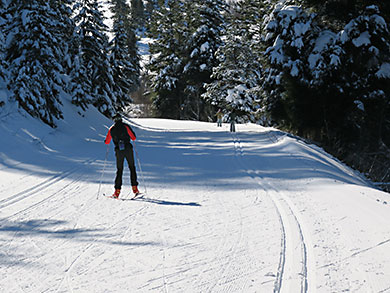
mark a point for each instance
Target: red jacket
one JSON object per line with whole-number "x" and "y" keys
{"x": 119, "y": 128}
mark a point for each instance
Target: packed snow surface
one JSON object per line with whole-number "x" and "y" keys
{"x": 254, "y": 211}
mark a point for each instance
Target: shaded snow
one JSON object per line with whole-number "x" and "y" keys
{"x": 362, "y": 40}
{"x": 257, "y": 211}
{"x": 384, "y": 71}
{"x": 205, "y": 47}
{"x": 324, "y": 40}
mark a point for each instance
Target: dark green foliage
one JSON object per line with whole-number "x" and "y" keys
{"x": 65, "y": 12}
{"x": 61, "y": 47}
{"x": 149, "y": 7}
{"x": 35, "y": 56}
{"x": 137, "y": 12}
{"x": 187, "y": 35}
{"x": 326, "y": 77}
{"x": 91, "y": 72}
{"x": 169, "y": 31}
{"x": 3, "y": 22}
{"x": 344, "y": 8}
{"x": 324, "y": 97}
{"x": 205, "y": 25}
{"x": 124, "y": 58}
{"x": 287, "y": 76}
{"x": 366, "y": 72}
{"x": 236, "y": 76}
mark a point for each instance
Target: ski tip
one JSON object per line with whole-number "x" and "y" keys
{"x": 113, "y": 197}
{"x": 135, "y": 196}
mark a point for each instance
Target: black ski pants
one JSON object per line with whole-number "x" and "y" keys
{"x": 127, "y": 154}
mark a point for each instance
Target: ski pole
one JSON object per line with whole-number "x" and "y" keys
{"x": 139, "y": 166}
{"x": 101, "y": 177}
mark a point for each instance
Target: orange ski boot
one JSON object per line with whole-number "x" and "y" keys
{"x": 135, "y": 190}
{"x": 116, "y": 193}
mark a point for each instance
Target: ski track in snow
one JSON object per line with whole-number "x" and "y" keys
{"x": 75, "y": 259}
{"x": 292, "y": 275}
{"x": 214, "y": 219}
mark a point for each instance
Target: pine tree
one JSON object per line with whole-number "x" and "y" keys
{"x": 333, "y": 83}
{"x": 124, "y": 57}
{"x": 137, "y": 12}
{"x": 34, "y": 57}
{"x": 205, "y": 21}
{"x": 149, "y": 7}
{"x": 338, "y": 13}
{"x": 366, "y": 72}
{"x": 65, "y": 10}
{"x": 3, "y": 22}
{"x": 92, "y": 74}
{"x": 169, "y": 31}
{"x": 187, "y": 35}
{"x": 351, "y": 71}
{"x": 290, "y": 33}
{"x": 237, "y": 76}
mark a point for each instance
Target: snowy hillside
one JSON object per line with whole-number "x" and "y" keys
{"x": 258, "y": 211}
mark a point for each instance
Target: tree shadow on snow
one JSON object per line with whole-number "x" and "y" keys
{"x": 222, "y": 160}
{"x": 18, "y": 238}
{"x": 186, "y": 158}
{"x": 44, "y": 227}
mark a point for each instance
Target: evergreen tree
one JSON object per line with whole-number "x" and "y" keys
{"x": 3, "y": 22}
{"x": 351, "y": 71}
{"x": 80, "y": 86}
{"x": 332, "y": 84}
{"x": 65, "y": 12}
{"x": 366, "y": 72}
{"x": 205, "y": 23}
{"x": 124, "y": 57}
{"x": 169, "y": 31}
{"x": 137, "y": 12}
{"x": 35, "y": 56}
{"x": 149, "y": 7}
{"x": 338, "y": 13}
{"x": 91, "y": 75}
{"x": 187, "y": 35}
{"x": 237, "y": 76}
{"x": 290, "y": 34}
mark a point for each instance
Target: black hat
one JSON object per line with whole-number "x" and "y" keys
{"x": 117, "y": 117}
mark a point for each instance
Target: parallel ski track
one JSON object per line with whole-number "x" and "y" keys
{"x": 290, "y": 226}
{"x": 39, "y": 187}
{"x": 164, "y": 253}
{"x": 224, "y": 247}
{"x": 77, "y": 258}
{"x": 14, "y": 198}
{"x": 292, "y": 234}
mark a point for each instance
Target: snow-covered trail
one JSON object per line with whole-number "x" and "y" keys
{"x": 256, "y": 211}
{"x": 314, "y": 194}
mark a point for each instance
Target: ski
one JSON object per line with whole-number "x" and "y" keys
{"x": 136, "y": 195}
{"x": 113, "y": 197}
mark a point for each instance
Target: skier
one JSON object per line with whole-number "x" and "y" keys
{"x": 232, "y": 118}
{"x": 121, "y": 133}
{"x": 219, "y": 118}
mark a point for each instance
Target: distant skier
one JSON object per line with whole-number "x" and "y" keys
{"x": 232, "y": 118}
{"x": 219, "y": 118}
{"x": 121, "y": 133}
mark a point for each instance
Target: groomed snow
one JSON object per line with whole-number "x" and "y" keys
{"x": 256, "y": 211}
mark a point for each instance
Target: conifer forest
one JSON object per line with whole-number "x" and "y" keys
{"x": 319, "y": 70}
